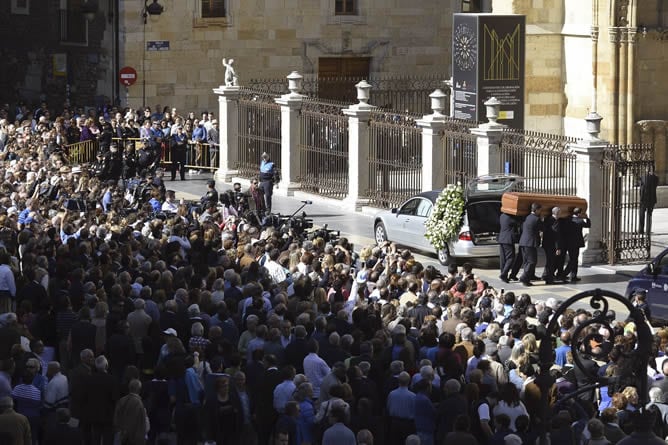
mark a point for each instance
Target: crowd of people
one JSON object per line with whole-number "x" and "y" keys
{"x": 140, "y": 319}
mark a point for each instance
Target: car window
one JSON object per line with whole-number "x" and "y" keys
{"x": 663, "y": 265}
{"x": 410, "y": 208}
{"x": 424, "y": 208}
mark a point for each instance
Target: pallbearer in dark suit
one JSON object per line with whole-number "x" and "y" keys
{"x": 509, "y": 234}
{"x": 577, "y": 223}
{"x": 551, "y": 245}
{"x": 529, "y": 242}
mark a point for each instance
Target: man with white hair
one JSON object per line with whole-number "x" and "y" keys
{"x": 57, "y": 392}
{"x": 465, "y": 347}
{"x": 101, "y": 395}
{"x": 401, "y": 408}
{"x": 139, "y": 322}
{"x": 551, "y": 245}
{"x": 657, "y": 399}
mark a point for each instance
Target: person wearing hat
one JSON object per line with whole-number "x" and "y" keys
{"x": 179, "y": 148}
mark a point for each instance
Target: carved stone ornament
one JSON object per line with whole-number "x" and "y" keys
{"x": 231, "y": 79}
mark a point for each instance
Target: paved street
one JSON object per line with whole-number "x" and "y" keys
{"x": 357, "y": 227}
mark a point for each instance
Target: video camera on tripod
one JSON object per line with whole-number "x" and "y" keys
{"x": 329, "y": 235}
{"x": 283, "y": 223}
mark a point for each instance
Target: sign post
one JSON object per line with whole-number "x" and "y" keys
{"x": 127, "y": 76}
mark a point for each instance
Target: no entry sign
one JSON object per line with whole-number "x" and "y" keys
{"x": 127, "y": 76}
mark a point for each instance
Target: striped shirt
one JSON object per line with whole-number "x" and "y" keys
{"x": 28, "y": 400}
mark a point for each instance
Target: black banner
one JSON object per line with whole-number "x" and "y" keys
{"x": 494, "y": 69}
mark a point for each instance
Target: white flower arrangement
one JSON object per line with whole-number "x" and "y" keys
{"x": 446, "y": 218}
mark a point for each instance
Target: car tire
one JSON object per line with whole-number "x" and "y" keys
{"x": 444, "y": 256}
{"x": 380, "y": 233}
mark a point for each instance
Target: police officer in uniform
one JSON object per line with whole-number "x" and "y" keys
{"x": 179, "y": 149}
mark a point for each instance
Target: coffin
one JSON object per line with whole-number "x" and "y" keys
{"x": 519, "y": 204}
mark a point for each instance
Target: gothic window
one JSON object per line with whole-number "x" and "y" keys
{"x": 213, "y": 8}
{"x": 345, "y": 7}
{"x": 21, "y": 7}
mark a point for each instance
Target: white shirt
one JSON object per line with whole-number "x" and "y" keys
{"x": 276, "y": 271}
{"x": 56, "y": 392}
{"x": 7, "y": 279}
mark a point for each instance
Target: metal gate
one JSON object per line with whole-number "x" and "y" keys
{"x": 259, "y": 131}
{"x": 395, "y": 159}
{"x": 544, "y": 160}
{"x": 623, "y": 166}
{"x": 323, "y": 149}
{"x": 460, "y": 151}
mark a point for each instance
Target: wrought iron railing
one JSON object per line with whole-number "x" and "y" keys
{"x": 460, "y": 151}
{"x": 623, "y": 166}
{"x": 395, "y": 159}
{"x": 593, "y": 338}
{"x": 259, "y": 131}
{"x": 323, "y": 149}
{"x": 545, "y": 161}
{"x": 408, "y": 94}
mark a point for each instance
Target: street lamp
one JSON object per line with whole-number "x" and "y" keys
{"x": 153, "y": 10}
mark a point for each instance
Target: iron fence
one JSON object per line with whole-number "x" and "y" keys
{"x": 323, "y": 148}
{"x": 259, "y": 131}
{"x": 395, "y": 159}
{"x": 409, "y": 94}
{"x": 545, "y": 161}
{"x": 623, "y": 238}
{"x": 460, "y": 151}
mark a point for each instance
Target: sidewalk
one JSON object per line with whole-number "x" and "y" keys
{"x": 358, "y": 227}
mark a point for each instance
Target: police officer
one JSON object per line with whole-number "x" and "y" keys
{"x": 211, "y": 195}
{"x": 267, "y": 175}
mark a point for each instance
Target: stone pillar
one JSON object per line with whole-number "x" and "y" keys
{"x": 228, "y": 112}
{"x": 589, "y": 183}
{"x": 589, "y": 177}
{"x": 433, "y": 175}
{"x": 291, "y": 105}
{"x": 358, "y": 147}
{"x": 488, "y": 140}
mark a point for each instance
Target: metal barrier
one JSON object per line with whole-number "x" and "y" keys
{"x": 545, "y": 161}
{"x": 259, "y": 131}
{"x": 323, "y": 149}
{"x": 395, "y": 159}
{"x": 460, "y": 151}
{"x": 82, "y": 152}
{"x": 623, "y": 239}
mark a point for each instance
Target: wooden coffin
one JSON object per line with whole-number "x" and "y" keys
{"x": 519, "y": 204}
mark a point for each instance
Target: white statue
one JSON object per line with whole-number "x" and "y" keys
{"x": 230, "y": 75}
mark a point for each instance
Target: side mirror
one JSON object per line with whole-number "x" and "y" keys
{"x": 652, "y": 268}
{"x": 394, "y": 210}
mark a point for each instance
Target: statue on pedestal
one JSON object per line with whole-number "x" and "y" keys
{"x": 231, "y": 79}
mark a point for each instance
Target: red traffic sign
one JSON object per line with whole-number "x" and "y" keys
{"x": 127, "y": 76}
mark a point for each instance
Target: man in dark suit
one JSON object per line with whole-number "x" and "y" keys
{"x": 509, "y": 234}
{"x": 297, "y": 349}
{"x": 102, "y": 393}
{"x": 648, "y": 185}
{"x": 575, "y": 240}
{"x": 266, "y": 415}
{"x": 529, "y": 242}
{"x": 552, "y": 244}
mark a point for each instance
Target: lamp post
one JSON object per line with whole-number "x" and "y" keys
{"x": 152, "y": 10}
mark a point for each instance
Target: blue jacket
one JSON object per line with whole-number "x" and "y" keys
{"x": 199, "y": 134}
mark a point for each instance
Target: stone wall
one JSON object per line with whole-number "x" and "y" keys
{"x": 270, "y": 38}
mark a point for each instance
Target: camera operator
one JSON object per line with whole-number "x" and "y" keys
{"x": 107, "y": 197}
{"x": 145, "y": 160}
{"x": 115, "y": 163}
{"x": 129, "y": 162}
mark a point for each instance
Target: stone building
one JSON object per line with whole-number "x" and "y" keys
{"x": 582, "y": 55}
